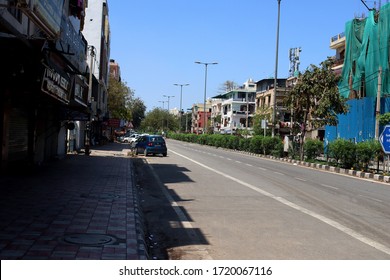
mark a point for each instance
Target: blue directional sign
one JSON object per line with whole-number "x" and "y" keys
{"x": 384, "y": 139}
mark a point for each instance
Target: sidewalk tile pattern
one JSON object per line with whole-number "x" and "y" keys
{"x": 80, "y": 207}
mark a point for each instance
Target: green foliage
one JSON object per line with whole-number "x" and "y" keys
{"x": 277, "y": 151}
{"x": 343, "y": 151}
{"x": 244, "y": 144}
{"x": 119, "y": 99}
{"x": 313, "y": 148}
{"x": 256, "y": 144}
{"x": 367, "y": 151}
{"x": 271, "y": 144}
{"x": 159, "y": 120}
{"x": 257, "y": 119}
{"x": 315, "y": 99}
{"x": 384, "y": 119}
{"x": 346, "y": 153}
{"x": 137, "y": 108}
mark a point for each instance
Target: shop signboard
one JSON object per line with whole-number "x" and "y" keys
{"x": 56, "y": 85}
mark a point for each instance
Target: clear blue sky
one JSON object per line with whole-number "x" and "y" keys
{"x": 157, "y": 42}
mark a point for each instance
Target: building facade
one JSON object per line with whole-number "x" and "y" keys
{"x": 267, "y": 102}
{"x": 362, "y": 60}
{"x": 44, "y": 79}
{"x": 97, "y": 33}
{"x": 237, "y": 108}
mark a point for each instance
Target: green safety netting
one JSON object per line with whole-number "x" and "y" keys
{"x": 367, "y": 49}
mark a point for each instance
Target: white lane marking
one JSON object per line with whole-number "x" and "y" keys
{"x": 374, "y": 199}
{"x": 238, "y": 161}
{"x": 261, "y": 168}
{"x": 278, "y": 173}
{"x": 228, "y": 158}
{"x": 183, "y": 219}
{"x": 300, "y": 179}
{"x": 330, "y": 187}
{"x": 247, "y": 164}
{"x": 332, "y": 223}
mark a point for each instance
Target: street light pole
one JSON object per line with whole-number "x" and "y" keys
{"x": 162, "y": 120}
{"x": 276, "y": 73}
{"x": 87, "y": 138}
{"x": 168, "y": 96}
{"x": 205, "y": 89}
{"x": 181, "y": 95}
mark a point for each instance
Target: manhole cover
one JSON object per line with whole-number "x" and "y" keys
{"x": 89, "y": 239}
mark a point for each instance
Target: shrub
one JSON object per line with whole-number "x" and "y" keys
{"x": 367, "y": 151}
{"x": 244, "y": 144}
{"x": 278, "y": 150}
{"x": 313, "y": 148}
{"x": 270, "y": 144}
{"x": 256, "y": 145}
{"x": 344, "y": 152}
{"x": 233, "y": 142}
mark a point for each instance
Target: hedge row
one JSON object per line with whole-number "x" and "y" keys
{"x": 347, "y": 154}
{"x": 342, "y": 152}
{"x": 265, "y": 145}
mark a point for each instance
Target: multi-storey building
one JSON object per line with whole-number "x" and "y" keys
{"x": 97, "y": 33}
{"x": 362, "y": 60}
{"x": 44, "y": 78}
{"x": 115, "y": 70}
{"x": 198, "y": 116}
{"x": 266, "y": 103}
{"x": 237, "y": 107}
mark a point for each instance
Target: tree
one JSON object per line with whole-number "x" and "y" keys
{"x": 262, "y": 114}
{"x": 227, "y": 86}
{"x": 137, "y": 108}
{"x": 119, "y": 99}
{"x": 158, "y": 119}
{"x": 384, "y": 119}
{"x": 315, "y": 100}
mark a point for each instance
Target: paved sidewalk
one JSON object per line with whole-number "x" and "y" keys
{"x": 80, "y": 207}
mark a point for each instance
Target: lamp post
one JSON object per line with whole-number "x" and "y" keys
{"x": 181, "y": 95}
{"x": 205, "y": 89}
{"x": 276, "y": 73}
{"x": 168, "y": 96}
{"x": 163, "y": 102}
{"x": 188, "y": 109}
{"x": 162, "y": 120}
{"x": 87, "y": 139}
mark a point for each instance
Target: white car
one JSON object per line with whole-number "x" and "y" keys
{"x": 131, "y": 138}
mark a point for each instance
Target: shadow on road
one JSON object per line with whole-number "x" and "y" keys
{"x": 165, "y": 229}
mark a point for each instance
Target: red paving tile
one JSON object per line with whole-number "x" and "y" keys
{"x": 76, "y": 195}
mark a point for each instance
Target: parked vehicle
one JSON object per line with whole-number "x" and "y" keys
{"x": 150, "y": 144}
{"x": 122, "y": 137}
{"x": 131, "y": 138}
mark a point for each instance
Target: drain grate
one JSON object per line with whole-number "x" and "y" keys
{"x": 87, "y": 239}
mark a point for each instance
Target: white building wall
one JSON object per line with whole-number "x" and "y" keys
{"x": 93, "y": 30}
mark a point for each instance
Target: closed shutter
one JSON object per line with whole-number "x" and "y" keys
{"x": 18, "y": 135}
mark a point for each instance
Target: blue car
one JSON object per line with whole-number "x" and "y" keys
{"x": 150, "y": 144}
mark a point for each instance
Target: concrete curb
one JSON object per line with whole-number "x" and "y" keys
{"x": 333, "y": 169}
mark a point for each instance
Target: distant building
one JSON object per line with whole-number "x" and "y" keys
{"x": 115, "y": 70}
{"x": 198, "y": 113}
{"x": 266, "y": 102}
{"x": 236, "y": 108}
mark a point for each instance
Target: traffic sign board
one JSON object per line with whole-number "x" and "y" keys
{"x": 384, "y": 139}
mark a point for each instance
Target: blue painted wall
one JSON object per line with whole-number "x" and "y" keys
{"x": 359, "y": 124}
